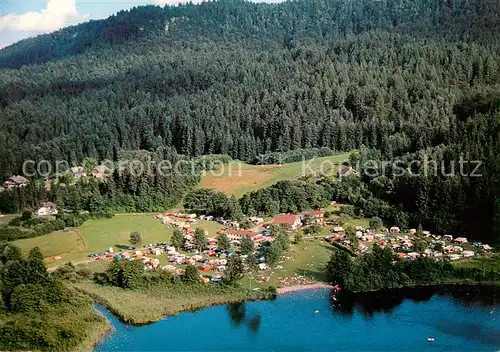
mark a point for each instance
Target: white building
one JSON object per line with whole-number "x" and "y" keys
{"x": 46, "y": 209}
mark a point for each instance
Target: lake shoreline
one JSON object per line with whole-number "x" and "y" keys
{"x": 279, "y": 292}
{"x": 295, "y": 288}
{"x": 204, "y": 301}
{"x": 320, "y": 303}
{"x": 95, "y": 338}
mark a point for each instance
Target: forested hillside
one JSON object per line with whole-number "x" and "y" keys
{"x": 237, "y": 78}
{"x": 394, "y": 78}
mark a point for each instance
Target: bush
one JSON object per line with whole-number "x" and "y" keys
{"x": 15, "y": 233}
{"x": 191, "y": 274}
{"x": 376, "y": 223}
{"x": 347, "y": 209}
{"x": 84, "y": 273}
{"x": 298, "y": 238}
{"x": 135, "y": 238}
{"x": 15, "y": 222}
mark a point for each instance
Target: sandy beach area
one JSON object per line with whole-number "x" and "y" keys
{"x": 288, "y": 289}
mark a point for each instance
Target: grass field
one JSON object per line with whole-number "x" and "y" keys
{"x": 63, "y": 241}
{"x": 4, "y": 219}
{"x": 238, "y": 178}
{"x": 306, "y": 259}
{"x": 97, "y": 235}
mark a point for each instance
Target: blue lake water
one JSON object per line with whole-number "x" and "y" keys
{"x": 291, "y": 323}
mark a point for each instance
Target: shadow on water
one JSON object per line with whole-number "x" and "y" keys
{"x": 368, "y": 304}
{"x": 254, "y": 323}
{"x": 472, "y": 331}
{"x": 238, "y": 315}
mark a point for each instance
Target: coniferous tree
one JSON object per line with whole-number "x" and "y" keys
{"x": 178, "y": 238}
{"x": 200, "y": 239}
{"x": 223, "y": 242}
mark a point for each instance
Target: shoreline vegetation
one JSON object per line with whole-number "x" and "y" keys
{"x": 144, "y": 306}
{"x": 378, "y": 270}
{"x": 96, "y": 335}
{"x": 107, "y": 297}
{"x": 444, "y": 283}
{"x": 92, "y": 291}
{"x": 135, "y": 306}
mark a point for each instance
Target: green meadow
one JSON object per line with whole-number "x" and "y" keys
{"x": 95, "y": 236}
{"x": 238, "y": 178}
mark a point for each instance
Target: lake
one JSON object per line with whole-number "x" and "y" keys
{"x": 459, "y": 319}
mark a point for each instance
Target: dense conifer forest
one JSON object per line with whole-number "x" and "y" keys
{"x": 394, "y": 79}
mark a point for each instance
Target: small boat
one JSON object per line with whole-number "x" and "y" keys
{"x": 430, "y": 339}
{"x": 316, "y": 311}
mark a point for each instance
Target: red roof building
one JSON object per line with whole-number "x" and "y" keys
{"x": 237, "y": 235}
{"x": 293, "y": 220}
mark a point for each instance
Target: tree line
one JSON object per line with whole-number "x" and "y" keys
{"x": 377, "y": 271}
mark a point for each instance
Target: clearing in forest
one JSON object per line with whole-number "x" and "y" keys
{"x": 238, "y": 178}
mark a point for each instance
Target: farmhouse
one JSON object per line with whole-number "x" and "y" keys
{"x": 238, "y": 235}
{"x": 317, "y": 216}
{"x": 16, "y": 181}
{"x": 292, "y": 220}
{"x": 47, "y": 208}
{"x": 346, "y": 171}
{"x": 99, "y": 172}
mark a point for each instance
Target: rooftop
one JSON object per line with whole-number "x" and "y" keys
{"x": 235, "y": 232}
{"x": 285, "y": 219}
{"x": 17, "y": 179}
